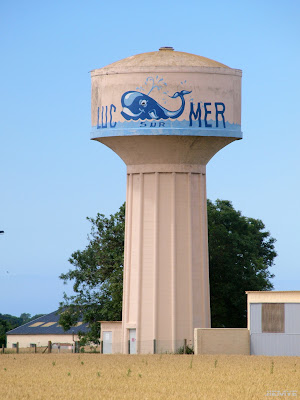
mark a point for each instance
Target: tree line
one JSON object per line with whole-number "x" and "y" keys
{"x": 9, "y": 322}
{"x": 241, "y": 252}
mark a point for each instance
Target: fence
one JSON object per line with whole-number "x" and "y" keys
{"x": 51, "y": 348}
{"x": 131, "y": 347}
{"x": 147, "y": 347}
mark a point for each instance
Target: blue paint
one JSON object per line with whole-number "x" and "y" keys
{"x": 169, "y": 127}
{"x": 159, "y": 124}
{"x": 112, "y": 124}
{"x": 196, "y": 115}
{"x": 206, "y": 114}
{"x": 158, "y": 86}
{"x": 103, "y": 123}
{"x": 221, "y": 112}
{"x": 140, "y": 106}
{"x": 145, "y": 116}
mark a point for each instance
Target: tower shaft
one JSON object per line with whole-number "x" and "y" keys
{"x": 166, "y": 256}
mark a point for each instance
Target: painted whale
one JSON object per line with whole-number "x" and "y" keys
{"x": 137, "y": 105}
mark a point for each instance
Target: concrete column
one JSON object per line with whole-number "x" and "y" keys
{"x": 166, "y": 255}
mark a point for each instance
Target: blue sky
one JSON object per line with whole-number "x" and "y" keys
{"x": 53, "y": 176}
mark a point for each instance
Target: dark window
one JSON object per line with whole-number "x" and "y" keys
{"x": 272, "y": 317}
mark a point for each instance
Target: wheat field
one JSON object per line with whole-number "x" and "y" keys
{"x": 95, "y": 376}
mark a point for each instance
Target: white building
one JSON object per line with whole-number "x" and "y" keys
{"x": 42, "y": 330}
{"x": 274, "y": 323}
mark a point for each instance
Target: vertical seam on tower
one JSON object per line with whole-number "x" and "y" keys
{"x": 155, "y": 269}
{"x": 127, "y": 258}
{"x": 173, "y": 258}
{"x": 140, "y": 269}
{"x": 130, "y": 244}
{"x": 206, "y": 258}
{"x": 191, "y": 312}
{"x": 202, "y": 255}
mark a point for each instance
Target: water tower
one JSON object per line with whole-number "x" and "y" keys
{"x": 165, "y": 113}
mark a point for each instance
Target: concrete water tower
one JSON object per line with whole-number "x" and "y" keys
{"x": 165, "y": 113}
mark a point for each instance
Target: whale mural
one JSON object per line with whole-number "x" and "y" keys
{"x": 137, "y": 105}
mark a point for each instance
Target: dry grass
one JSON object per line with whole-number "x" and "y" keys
{"x": 95, "y": 376}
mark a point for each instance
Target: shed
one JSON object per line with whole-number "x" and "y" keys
{"x": 111, "y": 337}
{"x": 274, "y": 322}
{"x": 43, "y": 329}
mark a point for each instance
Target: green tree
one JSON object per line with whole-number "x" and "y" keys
{"x": 36, "y": 316}
{"x": 4, "y": 327}
{"x": 240, "y": 254}
{"x": 25, "y": 317}
{"x": 9, "y": 322}
{"x": 97, "y": 276}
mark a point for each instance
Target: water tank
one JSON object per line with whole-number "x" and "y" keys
{"x": 165, "y": 113}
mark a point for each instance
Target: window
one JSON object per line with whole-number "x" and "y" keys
{"x": 272, "y": 317}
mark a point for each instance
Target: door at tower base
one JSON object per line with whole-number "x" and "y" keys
{"x": 107, "y": 342}
{"x": 132, "y": 341}
{"x": 111, "y": 337}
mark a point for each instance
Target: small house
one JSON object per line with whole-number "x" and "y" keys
{"x": 274, "y": 322}
{"x": 42, "y": 330}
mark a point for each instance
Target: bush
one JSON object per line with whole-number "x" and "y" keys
{"x": 188, "y": 350}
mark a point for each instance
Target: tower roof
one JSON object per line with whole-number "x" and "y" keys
{"x": 164, "y": 58}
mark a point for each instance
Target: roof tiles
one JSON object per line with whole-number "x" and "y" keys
{"x": 48, "y": 324}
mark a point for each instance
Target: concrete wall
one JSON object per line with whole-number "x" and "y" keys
{"x": 39, "y": 340}
{"x": 116, "y": 328}
{"x": 275, "y": 344}
{"x": 222, "y": 341}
